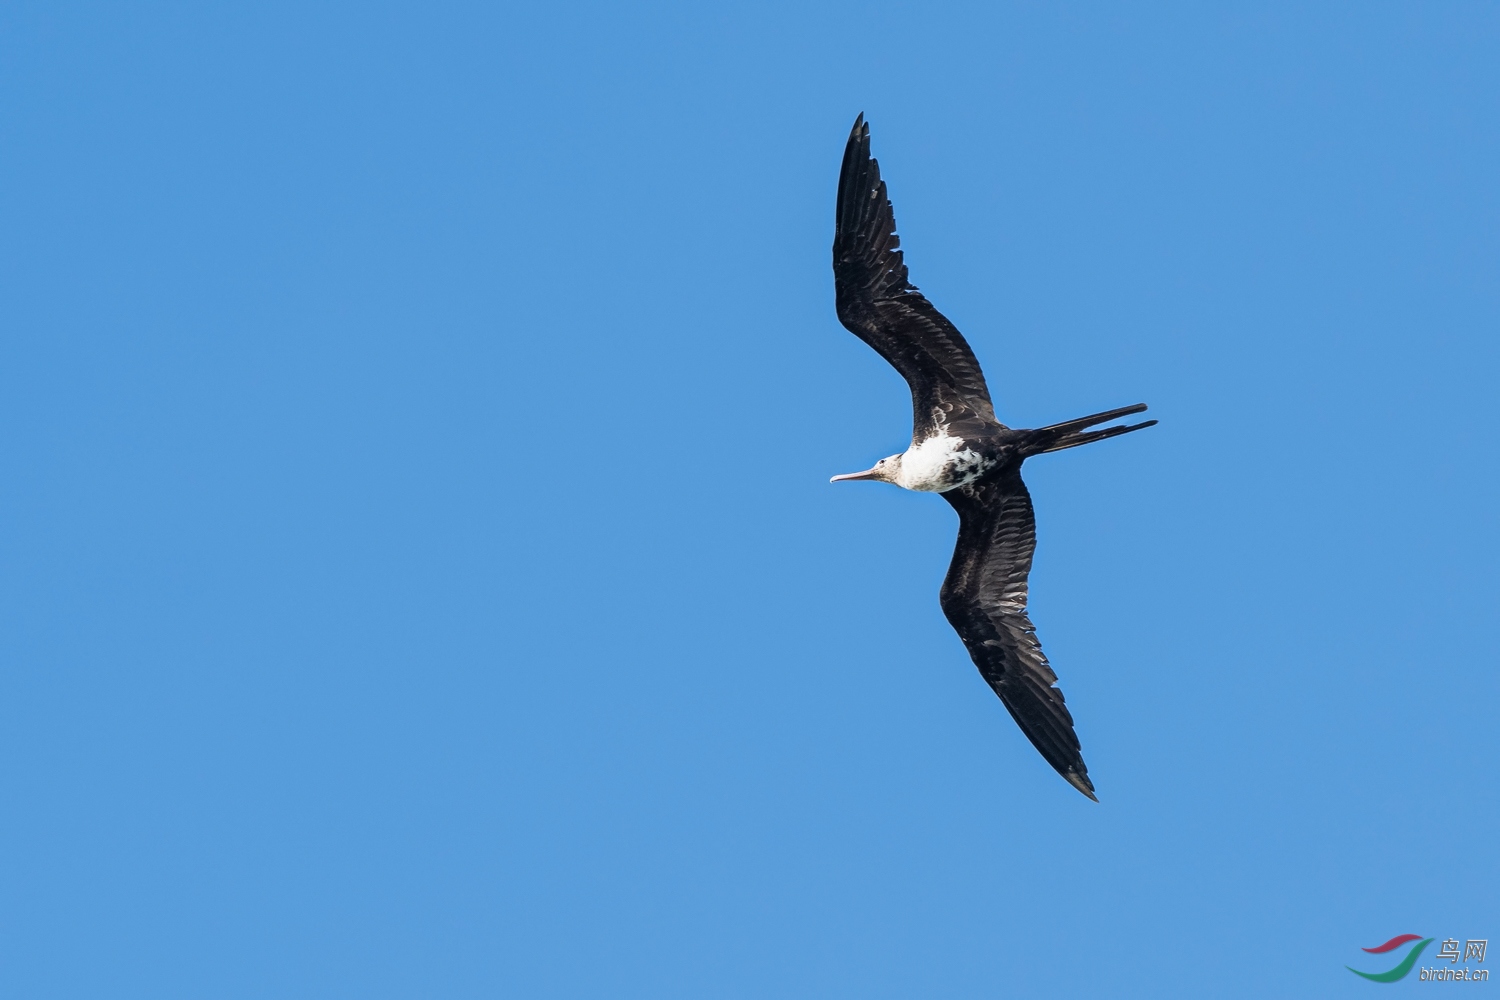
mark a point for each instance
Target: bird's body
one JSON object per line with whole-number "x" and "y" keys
{"x": 944, "y": 461}
{"x": 961, "y": 451}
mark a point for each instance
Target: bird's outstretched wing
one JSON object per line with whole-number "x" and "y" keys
{"x": 881, "y": 307}
{"x": 984, "y": 597}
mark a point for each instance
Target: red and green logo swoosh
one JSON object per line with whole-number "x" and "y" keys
{"x": 1400, "y": 971}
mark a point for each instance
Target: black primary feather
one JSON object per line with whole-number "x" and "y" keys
{"x": 984, "y": 598}
{"x": 881, "y": 307}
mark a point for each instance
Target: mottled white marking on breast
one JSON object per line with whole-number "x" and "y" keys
{"x": 940, "y": 463}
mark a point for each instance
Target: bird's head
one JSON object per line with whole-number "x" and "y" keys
{"x": 887, "y": 470}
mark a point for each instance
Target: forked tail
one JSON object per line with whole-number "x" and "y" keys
{"x": 1072, "y": 433}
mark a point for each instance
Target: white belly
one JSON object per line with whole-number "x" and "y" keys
{"x": 939, "y": 464}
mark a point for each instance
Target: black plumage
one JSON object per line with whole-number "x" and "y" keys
{"x": 960, "y": 450}
{"x": 881, "y": 307}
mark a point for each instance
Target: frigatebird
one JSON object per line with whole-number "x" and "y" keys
{"x": 961, "y": 452}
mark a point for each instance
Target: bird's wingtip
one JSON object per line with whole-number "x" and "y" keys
{"x": 1082, "y": 783}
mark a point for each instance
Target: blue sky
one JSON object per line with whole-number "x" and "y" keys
{"x": 418, "y": 569}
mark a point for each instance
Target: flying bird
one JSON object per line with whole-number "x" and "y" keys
{"x": 962, "y": 453}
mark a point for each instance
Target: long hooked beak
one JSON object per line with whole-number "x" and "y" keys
{"x": 867, "y": 474}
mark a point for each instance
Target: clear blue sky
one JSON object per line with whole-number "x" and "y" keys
{"x": 418, "y": 567}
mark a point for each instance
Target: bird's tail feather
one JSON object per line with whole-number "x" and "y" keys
{"x": 1072, "y": 433}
